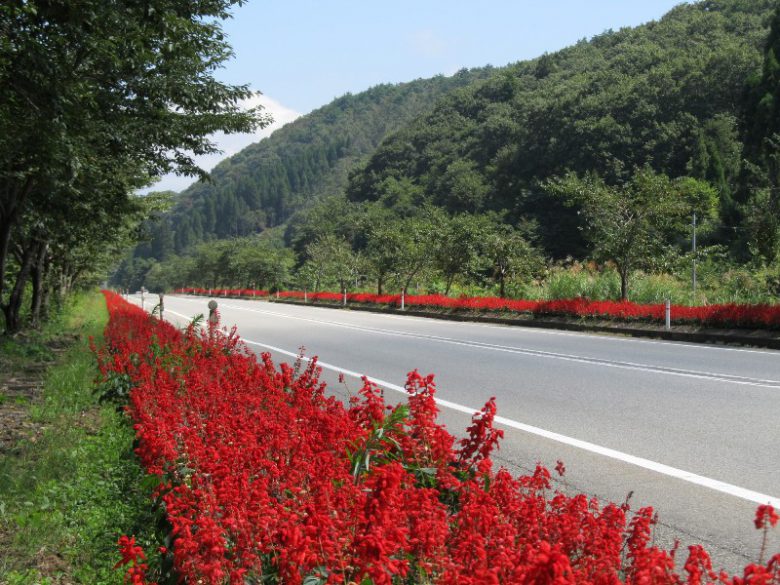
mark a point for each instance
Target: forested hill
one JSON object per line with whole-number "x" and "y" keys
{"x": 266, "y": 182}
{"x": 668, "y": 94}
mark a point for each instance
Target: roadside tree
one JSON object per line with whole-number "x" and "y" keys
{"x": 635, "y": 223}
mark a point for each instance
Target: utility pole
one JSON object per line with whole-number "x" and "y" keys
{"x": 694, "y": 257}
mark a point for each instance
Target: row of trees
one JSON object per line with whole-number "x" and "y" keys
{"x": 97, "y": 98}
{"x": 642, "y": 224}
{"x": 392, "y": 254}
{"x": 239, "y": 263}
{"x": 431, "y": 246}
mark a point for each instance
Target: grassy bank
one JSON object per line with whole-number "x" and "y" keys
{"x": 69, "y": 483}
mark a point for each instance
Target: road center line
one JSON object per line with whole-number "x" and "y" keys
{"x": 729, "y": 378}
{"x": 690, "y": 477}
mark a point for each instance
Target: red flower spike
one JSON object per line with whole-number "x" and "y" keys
{"x": 765, "y": 514}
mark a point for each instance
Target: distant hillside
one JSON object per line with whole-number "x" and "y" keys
{"x": 265, "y": 183}
{"x": 672, "y": 94}
{"x": 668, "y": 94}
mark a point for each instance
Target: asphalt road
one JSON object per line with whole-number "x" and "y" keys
{"x": 691, "y": 430}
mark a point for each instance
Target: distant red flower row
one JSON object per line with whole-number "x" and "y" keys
{"x": 264, "y": 478}
{"x": 224, "y": 292}
{"x": 727, "y": 315}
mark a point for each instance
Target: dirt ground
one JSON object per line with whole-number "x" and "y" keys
{"x": 17, "y": 392}
{"x": 21, "y": 387}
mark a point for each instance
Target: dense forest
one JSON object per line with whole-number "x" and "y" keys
{"x": 668, "y": 95}
{"x": 264, "y": 184}
{"x": 631, "y": 132}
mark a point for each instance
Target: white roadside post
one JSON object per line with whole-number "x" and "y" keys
{"x": 668, "y": 314}
{"x": 403, "y": 300}
{"x": 344, "y": 297}
{"x": 305, "y": 299}
{"x": 162, "y": 307}
{"x": 694, "y": 258}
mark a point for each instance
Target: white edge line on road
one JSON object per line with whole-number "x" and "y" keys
{"x": 688, "y": 476}
{"x": 727, "y": 378}
{"x": 661, "y": 468}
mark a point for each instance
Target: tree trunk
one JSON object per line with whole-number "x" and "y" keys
{"x": 623, "y": 285}
{"x": 38, "y": 276}
{"x": 10, "y": 209}
{"x": 408, "y": 283}
{"x": 448, "y": 286}
{"x": 5, "y": 244}
{"x": 46, "y": 299}
{"x": 380, "y": 281}
{"x": 12, "y": 309}
{"x": 62, "y": 289}
{"x": 501, "y": 286}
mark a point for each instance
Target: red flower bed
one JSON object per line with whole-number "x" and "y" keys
{"x": 224, "y": 292}
{"x": 728, "y": 315}
{"x": 265, "y": 478}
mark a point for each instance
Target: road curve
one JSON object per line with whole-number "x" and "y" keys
{"x": 690, "y": 429}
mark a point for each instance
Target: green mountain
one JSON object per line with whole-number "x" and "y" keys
{"x": 668, "y": 94}
{"x": 264, "y": 184}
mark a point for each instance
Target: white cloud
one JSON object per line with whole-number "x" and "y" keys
{"x": 230, "y": 144}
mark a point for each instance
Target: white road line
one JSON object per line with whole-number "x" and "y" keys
{"x": 699, "y": 375}
{"x": 713, "y": 484}
{"x": 661, "y": 468}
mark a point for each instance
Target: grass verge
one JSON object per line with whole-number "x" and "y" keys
{"x": 70, "y": 487}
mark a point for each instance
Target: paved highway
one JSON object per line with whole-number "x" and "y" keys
{"x": 691, "y": 430}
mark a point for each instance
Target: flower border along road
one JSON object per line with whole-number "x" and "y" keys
{"x": 264, "y": 477}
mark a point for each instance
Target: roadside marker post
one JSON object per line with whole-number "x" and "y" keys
{"x": 403, "y": 300}
{"x": 162, "y": 307}
{"x": 668, "y": 314}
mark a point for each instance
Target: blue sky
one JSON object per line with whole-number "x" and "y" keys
{"x": 304, "y": 53}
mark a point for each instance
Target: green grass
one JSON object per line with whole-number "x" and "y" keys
{"x": 718, "y": 281}
{"x": 716, "y": 284}
{"x": 69, "y": 492}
